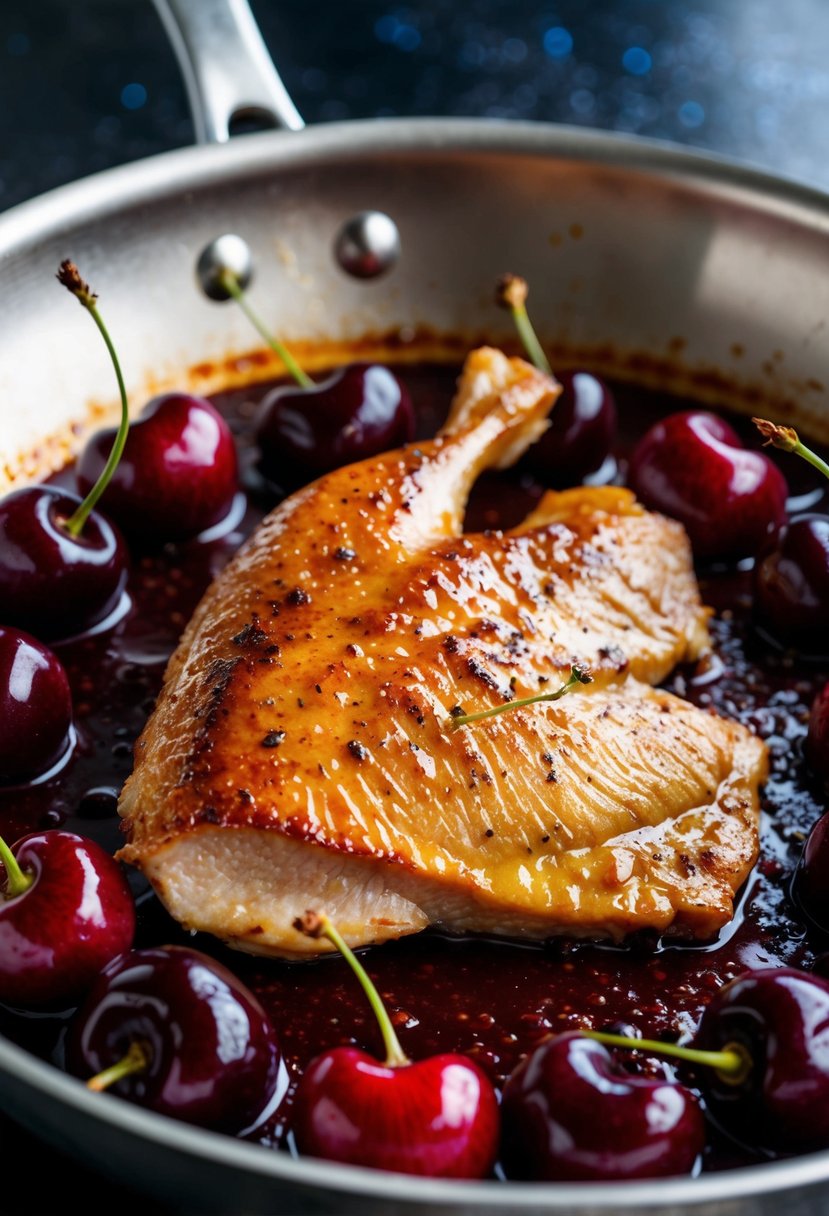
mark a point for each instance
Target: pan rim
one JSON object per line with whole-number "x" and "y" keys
{"x": 197, "y": 168}
{"x": 279, "y": 1166}
{"x": 141, "y": 182}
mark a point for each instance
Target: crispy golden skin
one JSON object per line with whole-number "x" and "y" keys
{"x": 301, "y": 754}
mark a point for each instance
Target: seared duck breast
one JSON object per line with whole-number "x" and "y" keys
{"x": 302, "y": 752}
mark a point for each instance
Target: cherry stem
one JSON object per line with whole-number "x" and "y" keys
{"x": 137, "y": 1059}
{"x": 787, "y": 439}
{"x": 315, "y": 924}
{"x": 16, "y": 881}
{"x": 732, "y": 1064}
{"x": 231, "y": 285}
{"x": 69, "y": 276}
{"x": 511, "y": 293}
{"x": 578, "y": 675}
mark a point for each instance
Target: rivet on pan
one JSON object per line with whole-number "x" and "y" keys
{"x": 227, "y": 254}
{"x": 367, "y": 245}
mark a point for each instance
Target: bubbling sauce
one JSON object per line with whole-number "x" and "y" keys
{"x": 492, "y": 1000}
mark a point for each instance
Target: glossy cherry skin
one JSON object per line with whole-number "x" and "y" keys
{"x": 360, "y": 410}
{"x": 791, "y": 585}
{"x": 53, "y": 584}
{"x": 693, "y": 467}
{"x": 35, "y": 707}
{"x": 76, "y": 916}
{"x": 582, "y": 431}
{"x": 213, "y": 1055}
{"x": 571, "y": 1114}
{"x": 178, "y": 474}
{"x": 437, "y": 1117}
{"x": 781, "y": 1017}
{"x": 817, "y": 737}
{"x": 812, "y": 877}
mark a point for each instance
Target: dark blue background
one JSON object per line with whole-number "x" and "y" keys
{"x": 85, "y": 84}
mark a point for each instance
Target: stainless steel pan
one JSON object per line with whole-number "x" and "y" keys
{"x": 643, "y": 259}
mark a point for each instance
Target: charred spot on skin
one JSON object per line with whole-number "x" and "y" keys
{"x": 297, "y": 597}
{"x": 615, "y": 656}
{"x": 245, "y": 795}
{"x": 273, "y": 738}
{"x": 357, "y": 750}
{"x": 457, "y": 711}
{"x": 251, "y": 635}
{"x": 344, "y": 554}
{"x": 480, "y": 672}
{"x": 218, "y": 679}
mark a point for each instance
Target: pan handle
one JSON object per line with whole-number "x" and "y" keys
{"x": 226, "y": 67}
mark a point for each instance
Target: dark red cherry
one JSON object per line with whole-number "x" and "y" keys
{"x": 693, "y": 467}
{"x": 35, "y": 707}
{"x": 570, "y": 1113}
{"x": 582, "y": 431}
{"x": 437, "y": 1117}
{"x": 812, "y": 877}
{"x": 360, "y": 410}
{"x": 173, "y": 1030}
{"x": 791, "y": 585}
{"x": 817, "y": 738}
{"x": 65, "y": 912}
{"x": 178, "y": 474}
{"x": 779, "y": 1019}
{"x": 52, "y": 583}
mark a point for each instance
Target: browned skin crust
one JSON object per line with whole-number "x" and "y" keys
{"x": 307, "y": 709}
